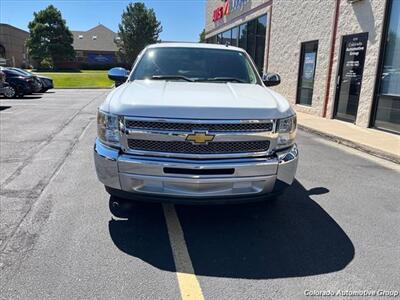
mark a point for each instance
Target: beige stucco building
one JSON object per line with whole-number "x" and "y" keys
{"x": 336, "y": 58}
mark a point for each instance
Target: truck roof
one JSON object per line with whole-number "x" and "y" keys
{"x": 195, "y": 45}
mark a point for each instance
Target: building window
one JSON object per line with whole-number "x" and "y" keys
{"x": 260, "y": 42}
{"x": 211, "y": 40}
{"x": 219, "y": 38}
{"x": 243, "y": 36}
{"x": 235, "y": 36}
{"x": 2, "y": 52}
{"x": 250, "y": 36}
{"x": 305, "y": 84}
{"x": 226, "y": 37}
{"x": 387, "y": 115}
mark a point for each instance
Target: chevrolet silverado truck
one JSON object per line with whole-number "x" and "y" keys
{"x": 194, "y": 123}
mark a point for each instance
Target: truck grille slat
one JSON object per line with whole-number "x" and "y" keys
{"x": 188, "y": 147}
{"x": 189, "y": 127}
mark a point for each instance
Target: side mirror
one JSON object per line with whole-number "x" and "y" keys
{"x": 271, "y": 79}
{"x": 119, "y": 75}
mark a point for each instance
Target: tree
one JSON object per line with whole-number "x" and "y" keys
{"x": 50, "y": 40}
{"x": 202, "y": 36}
{"x": 139, "y": 27}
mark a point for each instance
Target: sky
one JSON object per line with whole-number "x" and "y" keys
{"x": 182, "y": 20}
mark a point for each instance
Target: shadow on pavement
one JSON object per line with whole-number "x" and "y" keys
{"x": 4, "y": 107}
{"x": 31, "y": 97}
{"x": 287, "y": 237}
{"x": 144, "y": 235}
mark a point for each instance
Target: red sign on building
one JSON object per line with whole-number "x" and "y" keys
{"x": 221, "y": 11}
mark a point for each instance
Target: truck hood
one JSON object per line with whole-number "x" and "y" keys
{"x": 171, "y": 99}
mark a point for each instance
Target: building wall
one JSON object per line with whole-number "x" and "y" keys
{"x": 294, "y": 22}
{"x": 13, "y": 40}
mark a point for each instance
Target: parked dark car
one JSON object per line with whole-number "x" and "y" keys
{"x": 19, "y": 85}
{"x": 3, "y": 84}
{"x": 47, "y": 83}
{"x": 37, "y": 82}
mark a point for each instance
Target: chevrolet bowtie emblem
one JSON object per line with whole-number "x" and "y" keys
{"x": 200, "y": 137}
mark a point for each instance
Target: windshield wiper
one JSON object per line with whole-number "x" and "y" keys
{"x": 227, "y": 79}
{"x": 166, "y": 77}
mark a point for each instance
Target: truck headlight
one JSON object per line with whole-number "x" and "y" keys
{"x": 286, "y": 129}
{"x": 108, "y": 128}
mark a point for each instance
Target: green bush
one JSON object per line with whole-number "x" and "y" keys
{"x": 47, "y": 64}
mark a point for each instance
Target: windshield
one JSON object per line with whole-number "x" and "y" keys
{"x": 12, "y": 73}
{"x": 26, "y": 73}
{"x": 195, "y": 64}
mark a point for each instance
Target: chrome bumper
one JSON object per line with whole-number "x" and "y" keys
{"x": 146, "y": 175}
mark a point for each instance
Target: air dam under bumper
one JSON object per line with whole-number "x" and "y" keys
{"x": 152, "y": 176}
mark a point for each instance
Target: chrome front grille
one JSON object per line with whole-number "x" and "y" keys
{"x": 210, "y": 127}
{"x": 187, "y": 147}
{"x": 198, "y": 139}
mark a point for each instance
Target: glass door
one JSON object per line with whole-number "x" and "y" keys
{"x": 308, "y": 61}
{"x": 348, "y": 83}
{"x": 387, "y": 106}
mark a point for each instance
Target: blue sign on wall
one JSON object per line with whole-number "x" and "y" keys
{"x": 95, "y": 58}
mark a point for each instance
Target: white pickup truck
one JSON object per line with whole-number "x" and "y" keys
{"x": 195, "y": 123}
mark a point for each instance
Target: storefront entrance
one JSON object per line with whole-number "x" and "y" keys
{"x": 348, "y": 83}
{"x": 386, "y": 113}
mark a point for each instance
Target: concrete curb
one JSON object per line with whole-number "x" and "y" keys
{"x": 361, "y": 147}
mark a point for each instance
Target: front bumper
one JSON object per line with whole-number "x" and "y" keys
{"x": 26, "y": 88}
{"x": 148, "y": 176}
{"x": 47, "y": 83}
{"x": 50, "y": 84}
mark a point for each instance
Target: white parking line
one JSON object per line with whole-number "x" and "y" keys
{"x": 188, "y": 284}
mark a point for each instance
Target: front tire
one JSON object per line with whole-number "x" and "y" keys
{"x": 10, "y": 92}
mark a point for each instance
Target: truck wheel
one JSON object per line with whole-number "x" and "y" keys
{"x": 10, "y": 92}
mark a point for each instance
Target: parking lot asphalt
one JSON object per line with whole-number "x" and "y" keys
{"x": 336, "y": 228}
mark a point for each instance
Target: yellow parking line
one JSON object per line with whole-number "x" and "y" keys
{"x": 188, "y": 284}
